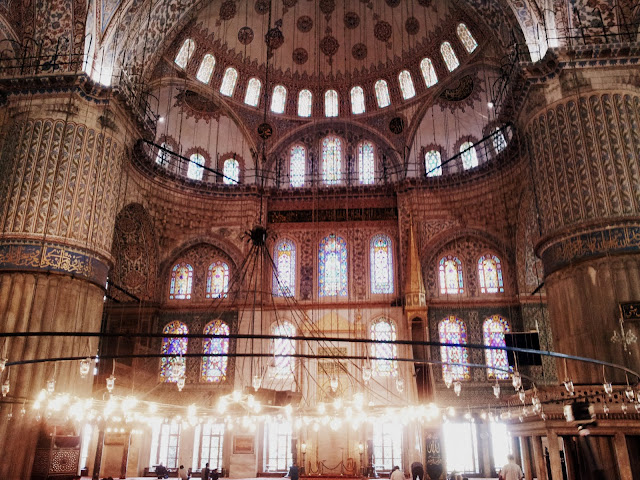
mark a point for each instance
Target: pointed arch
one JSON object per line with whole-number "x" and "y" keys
{"x": 181, "y": 282}
{"x": 173, "y": 346}
{"x": 332, "y": 259}
{"x": 490, "y": 274}
{"x": 384, "y": 354}
{"x": 366, "y": 163}
{"x": 451, "y": 279}
{"x": 493, "y": 334}
{"x": 185, "y": 53}
{"x": 217, "y": 280}
{"x": 282, "y": 349}
{"x": 381, "y": 264}
{"x": 466, "y": 38}
{"x": 297, "y": 165}
{"x": 453, "y": 330}
{"x": 214, "y": 368}
{"x": 206, "y": 68}
{"x": 284, "y": 275}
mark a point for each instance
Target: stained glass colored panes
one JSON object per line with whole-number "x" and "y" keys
{"x": 282, "y": 349}
{"x": 278, "y": 99}
{"x": 406, "y": 85}
{"x": 490, "y": 274}
{"x": 331, "y": 103}
{"x": 366, "y": 163}
{"x": 181, "y": 282}
{"x": 162, "y": 158}
{"x": 252, "y": 96}
{"x": 206, "y": 68}
{"x": 173, "y": 346}
{"x": 304, "y": 103}
{"x": 284, "y": 277}
{"x": 298, "y": 160}
{"x": 185, "y": 52}
{"x": 493, "y": 330}
{"x": 195, "y": 170}
{"x": 453, "y": 330}
{"x": 333, "y": 266}
{"x": 428, "y": 72}
{"x": 231, "y": 171}
{"x": 381, "y": 264}
{"x": 450, "y": 270}
{"x": 468, "y": 155}
{"x": 382, "y": 93}
{"x": 331, "y": 160}
{"x": 385, "y": 353}
{"x": 433, "y": 163}
{"x": 449, "y": 56}
{"x": 357, "y": 100}
{"x": 229, "y": 82}
{"x": 466, "y": 38}
{"x": 499, "y": 142}
{"x": 214, "y": 369}
{"x": 217, "y": 280}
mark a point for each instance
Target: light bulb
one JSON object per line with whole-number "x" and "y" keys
{"x": 51, "y": 385}
{"x": 6, "y": 386}
{"x": 516, "y": 380}
{"x": 180, "y": 383}
{"x": 496, "y": 390}
{"x": 23, "y": 411}
{"x": 366, "y": 373}
{"x": 85, "y": 366}
{"x": 400, "y": 384}
{"x": 623, "y": 407}
{"x": 629, "y": 393}
{"x": 334, "y": 383}
{"x": 637, "y": 407}
{"x": 3, "y": 364}
{"x": 111, "y": 382}
{"x": 605, "y": 409}
{"x": 537, "y": 407}
{"x": 522, "y": 395}
{"x": 568, "y": 384}
{"x": 178, "y": 368}
{"x": 448, "y": 379}
{"x": 543, "y": 416}
{"x": 608, "y": 388}
{"x": 489, "y": 105}
{"x": 256, "y": 382}
{"x": 457, "y": 388}
{"x": 568, "y": 413}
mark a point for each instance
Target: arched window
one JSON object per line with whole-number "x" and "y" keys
{"x": 449, "y": 56}
{"x": 278, "y": 99}
{"x": 366, "y": 163}
{"x": 282, "y": 349}
{"x": 162, "y": 158}
{"x": 451, "y": 276}
{"x": 466, "y": 38}
{"x": 384, "y": 329}
{"x": 381, "y": 264}
{"x": 173, "y": 346}
{"x": 195, "y": 170}
{"x": 333, "y": 266}
{"x": 493, "y": 330}
{"x": 453, "y": 330}
{"x": 331, "y": 160}
{"x": 304, "y": 103}
{"x": 469, "y": 155}
{"x": 284, "y": 276}
{"x": 428, "y": 72}
{"x": 387, "y": 444}
{"x": 252, "y": 96}
{"x": 231, "y": 171}
{"x": 217, "y": 280}
{"x": 490, "y": 274}
{"x": 181, "y": 282}
{"x": 357, "y": 100}
{"x": 214, "y": 369}
{"x": 331, "y": 103}
{"x": 206, "y": 68}
{"x": 382, "y": 93}
{"x": 406, "y": 85}
{"x": 185, "y": 52}
{"x": 433, "y": 163}
{"x": 499, "y": 142}
{"x": 229, "y": 82}
{"x": 297, "y": 165}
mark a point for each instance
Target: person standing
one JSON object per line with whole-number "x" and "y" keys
{"x": 417, "y": 470}
{"x": 206, "y": 473}
{"x": 294, "y": 472}
{"x": 511, "y": 471}
{"x": 182, "y": 473}
{"x": 396, "y": 474}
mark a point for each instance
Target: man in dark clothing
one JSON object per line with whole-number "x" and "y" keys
{"x": 214, "y": 474}
{"x": 206, "y": 473}
{"x": 417, "y": 470}
{"x": 294, "y": 472}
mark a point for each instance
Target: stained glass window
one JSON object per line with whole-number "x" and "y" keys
{"x": 432, "y": 163}
{"x": 449, "y": 56}
{"x": 214, "y": 369}
{"x": 206, "y": 68}
{"x": 331, "y": 160}
{"x": 231, "y": 171}
{"x": 252, "y": 96}
{"x": 333, "y": 266}
{"x": 298, "y": 160}
{"x": 490, "y": 274}
{"x": 453, "y": 330}
{"x": 304, "y": 103}
{"x": 428, "y": 72}
{"x": 384, "y": 330}
{"x": 331, "y": 103}
{"x": 284, "y": 277}
{"x": 278, "y": 99}
{"x": 493, "y": 330}
{"x": 499, "y": 142}
{"x": 185, "y": 52}
{"x": 181, "y": 282}
{"x": 466, "y": 38}
{"x": 382, "y": 93}
{"x": 357, "y": 100}
{"x": 217, "y": 280}
{"x": 406, "y": 85}
{"x": 173, "y": 346}
{"x": 366, "y": 163}
{"x": 381, "y": 264}
{"x": 195, "y": 170}
{"x": 451, "y": 276}
{"x": 469, "y": 155}
{"x": 229, "y": 82}
{"x": 282, "y": 349}
{"x": 162, "y": 158}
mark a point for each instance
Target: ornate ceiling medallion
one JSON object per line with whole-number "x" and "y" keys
{"x": 300, "y": 56}
{"x": 227, "y": 10}
{"x": 412, "y": 25}
{"x": 262, "y": 7}
{"x": 382, "y": 31}
{"x": 329, "y": 45}
{"x": 396, "y": 125}
{"x": 245, "y": 35}
{"x": 274, "y": 37}
{"x": 359, "y": 51}
{"x": 351, "y": 20}
{"x": 305, "y": 24}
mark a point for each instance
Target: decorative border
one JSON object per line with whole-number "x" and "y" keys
{"x": 243, "y": 444}
{"x": 56, "y": 258}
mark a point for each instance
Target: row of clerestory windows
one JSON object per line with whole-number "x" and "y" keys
{"x": 452, "y": 279}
